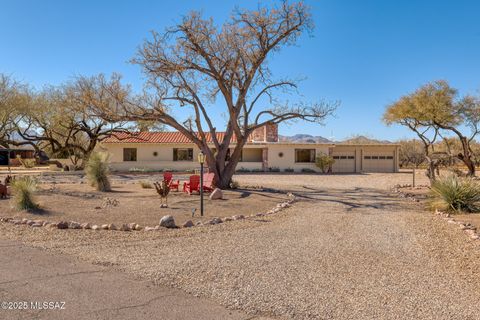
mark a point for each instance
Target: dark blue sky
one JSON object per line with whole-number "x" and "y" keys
{"x": 364, "y": 53}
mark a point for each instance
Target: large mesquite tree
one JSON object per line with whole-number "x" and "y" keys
{"x": 437, "y": 107}
{"x": 196, "y": 65}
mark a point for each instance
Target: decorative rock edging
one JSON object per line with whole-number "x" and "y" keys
{"x": 468, "y": 228}
{"x": 136, "y": 227}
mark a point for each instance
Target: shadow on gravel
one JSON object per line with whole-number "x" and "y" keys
{"x": 358, "y": 198}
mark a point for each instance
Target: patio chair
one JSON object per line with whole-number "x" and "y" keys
{"x": 192, "y": 185}
{"x": 208, "y": 182}
{"x": 168, "y": 178}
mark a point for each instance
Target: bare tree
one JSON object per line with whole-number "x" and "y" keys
{"x": 61, "y": 120}
{"x": 195, "y": 64}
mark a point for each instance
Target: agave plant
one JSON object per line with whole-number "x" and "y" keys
{"x": 97, "y": 171}
{"x": 23, "y": 190}
{"x": 455, "y": 194}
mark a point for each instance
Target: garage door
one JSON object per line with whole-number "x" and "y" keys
{"x": 344, "y": 162}
{"x": 378, "y": 162}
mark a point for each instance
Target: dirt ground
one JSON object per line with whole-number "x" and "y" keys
{"x": 350, "y": 248}
{"x": 72, "y": 200}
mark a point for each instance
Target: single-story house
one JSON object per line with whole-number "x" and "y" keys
{"x": 263, "y": 152}
{"x": 10, "y": 155}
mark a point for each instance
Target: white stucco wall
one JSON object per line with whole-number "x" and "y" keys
{"x": 288, "y": 158}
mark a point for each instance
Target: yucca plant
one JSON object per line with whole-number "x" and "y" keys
{"x": 455, "y": 194}
{"x": 23, "y": 190}
{"x": 97, "y": 171}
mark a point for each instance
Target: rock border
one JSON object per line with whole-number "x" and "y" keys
{"x": 136, "y": 227}
{"x": 467, "y": 227}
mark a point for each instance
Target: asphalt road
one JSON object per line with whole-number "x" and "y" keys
{"x": 31, "y": 277}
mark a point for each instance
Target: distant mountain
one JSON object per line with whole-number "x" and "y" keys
{"x": 363, "y": 140}
{"x": 303, "y": 138}
{"x": 307, "y": 138}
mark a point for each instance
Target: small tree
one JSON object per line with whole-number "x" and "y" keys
{"x": 324, "y": 162}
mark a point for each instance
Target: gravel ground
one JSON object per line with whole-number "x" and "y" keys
{"x": 348, "y": 250}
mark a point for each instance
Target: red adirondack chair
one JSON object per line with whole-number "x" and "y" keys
{"x": 208, "y": 182}
{"x": 168, "y": 177}
{"x": 192, "y": 185}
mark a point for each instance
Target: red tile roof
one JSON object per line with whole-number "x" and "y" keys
{"x": 157, "y": 137}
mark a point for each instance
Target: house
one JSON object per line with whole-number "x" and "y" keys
{"x": 10, "y": 155}
{"x": 263, "y": 152}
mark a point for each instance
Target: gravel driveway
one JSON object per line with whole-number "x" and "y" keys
{"x": 348, "y": 250}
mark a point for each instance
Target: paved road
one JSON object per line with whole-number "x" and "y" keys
{"x": 89, "y": 291}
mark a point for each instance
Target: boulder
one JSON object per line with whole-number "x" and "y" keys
{"x": 62, "y": 225}
{"x": 86, "y": 225}
{"x": 149, "y": 229}
{"x": 74, "y": 225}
{"x": 36, "y": 225}
{"x": 111, "y": 226}
{"x": 131, "y": 226}
{"x": 238, "y": 217}
{"x": 188, "y": 224}
{"x": 24, "y": 221}
{"x": 138, "y": 227}
{"x": 104, "y": 226}
{"x": 167, "y": 222}
{"x": 217, "y": 194}
{"x": 227, "y": 219}
{"x": 125, "y": 227}
{"x": 95, "y": 227}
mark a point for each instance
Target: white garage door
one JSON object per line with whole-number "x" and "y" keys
{"x": 378, "y": 162}
{"x": 344, "y": 162}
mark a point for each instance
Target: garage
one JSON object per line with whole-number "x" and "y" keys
{"x": 379, "y": 162}
{"x": 344, "y": 162}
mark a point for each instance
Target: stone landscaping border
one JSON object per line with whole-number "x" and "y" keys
{"x": 165, "y": 221}
{"x": 468, "y": 228}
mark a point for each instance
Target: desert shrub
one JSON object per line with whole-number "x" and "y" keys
{"x": 454, "y": 194}
{"x": 289, "y": 170}
{"x": 242, "y": 169}
{"x": 234, "y": 184}
{"x": 308, "y": 170}
{"x": 97, "y": 171}
{"x": 324, "y": 162}
{"x": 27, "y": 163}
{"x": 23, "y": 190}
{"x": 257, "y": 170}
{"x": 274, "y": 169}
{"x": 145, "y": 184}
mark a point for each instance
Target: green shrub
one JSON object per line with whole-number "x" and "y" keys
{"x": 26, "y": 163}
{"x": 97, "y": 171}
{"x": 244, "y": 170}
{"x": 145, "y": 184}
{"x": 308, "y": 170}
{"x": 23, "y": 190}
{"x": 274, "y": 169}
{"x": 289, "y": 170}
{"x": 234, "y": 184}
{"x": 454, "y": 194}
{"x": 324, "y": 162}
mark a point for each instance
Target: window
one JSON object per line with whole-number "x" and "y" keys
{"x": 343, "y": 157}
{"x": 381, "y": 157}
{"x": 367, "y": 157}
{"x": 304, "y": 155}
{"x": 336, "y": 157}
{"x": 129, "y": 154}
{"x": 182, "y": 154}
{"x": 390, "y": 157}
{"x": 351, "y": 157}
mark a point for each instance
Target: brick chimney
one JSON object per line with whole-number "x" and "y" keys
{"x": 267, "y": 133}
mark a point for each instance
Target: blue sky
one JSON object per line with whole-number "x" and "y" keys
{"x": 364, "y": 53}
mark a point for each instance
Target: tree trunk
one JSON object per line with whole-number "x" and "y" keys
{"x": 225, "y": 171}
{"x": 466, "y": 157}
